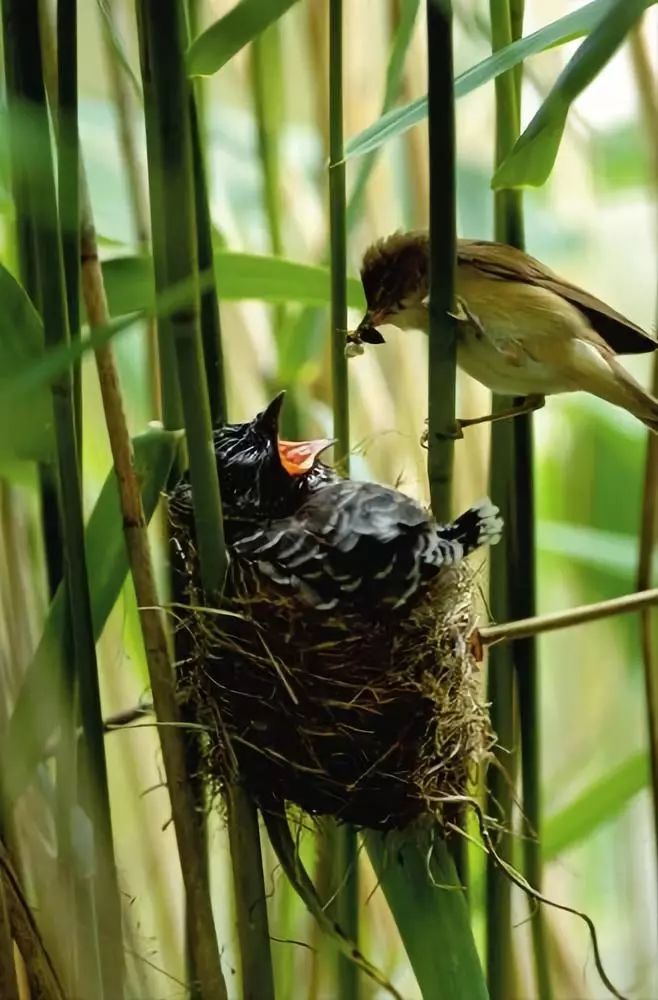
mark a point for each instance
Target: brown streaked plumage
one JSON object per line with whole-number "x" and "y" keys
{"x": 526, "y": 331}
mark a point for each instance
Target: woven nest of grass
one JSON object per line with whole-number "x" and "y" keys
{"x": 376, "y": 723}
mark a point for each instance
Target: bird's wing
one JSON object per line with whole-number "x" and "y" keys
{"x": 351, "y": 544}
{"x": 501, "y": 261}
{"x": 361, "y": 544}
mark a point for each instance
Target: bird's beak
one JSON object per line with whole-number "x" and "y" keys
{"x": 367, "y": 329}
{"x": 268, "y": 420}
{"x": 298, "y": 457}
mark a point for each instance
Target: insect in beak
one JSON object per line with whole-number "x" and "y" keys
{"x": 298, "y": 457}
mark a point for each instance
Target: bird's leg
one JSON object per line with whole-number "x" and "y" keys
{"x": 455, "y": 434}
{"x": 528, "y": 404}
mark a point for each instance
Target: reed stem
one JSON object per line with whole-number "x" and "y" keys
{"x": 171, "y": 166}
{"x": 506, "y": 477}
{"x": 34, "y": 157}
{"x": 515, "y": 630}
{"x": 515, "y": 677}
{"x": 338, "y": 237}
{"x": 345, "y": 840}
{"x": 186, "y": 822}
{"x": 648, "y": 93}
{"x": 442, "y": 338}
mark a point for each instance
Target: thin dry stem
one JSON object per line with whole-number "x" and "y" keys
{"x": 510, "y": 631}
{"x": 41, "y": 975}
{"x": 158, "y": 658}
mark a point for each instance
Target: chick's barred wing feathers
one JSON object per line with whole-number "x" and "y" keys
{"x": 361, "y": 544}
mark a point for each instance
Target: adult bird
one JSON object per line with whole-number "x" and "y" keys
{"x": 296, "y": 529}
{"x": 523, "y": 330}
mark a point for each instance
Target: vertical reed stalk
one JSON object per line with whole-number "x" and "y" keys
{"x": 174, "y": 186}
{"x": 171, "y": 174}
{"x": 502, "y": 693}
{"x": 211, "y": 331}
{"x": 186, "y": 823}
{"x": 648, "y": 93}
{"x": 33, "y": 151}
{"x": 442, "y": 359}
{"x": 442, "y": 338}
{"x": 27, "y": 270}
{"x": 513, "y": 671}
{"x": 345, "y": 839}
{"x": 59, "y": 48}
{"x": 68, "y": 168}
{"x": 338, "y": 237}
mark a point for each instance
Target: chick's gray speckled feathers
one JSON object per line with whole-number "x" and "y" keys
{"x": 362, "y": 545}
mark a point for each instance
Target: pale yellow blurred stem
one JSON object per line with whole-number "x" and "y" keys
{"x": 415, "y": 141}
{"x": 161, "y": 673}
{"x": 647, "y": 89}
{"x": 524, "y": 627}
{"x": 125, "y": 104}
{"x": 318, "y": 38}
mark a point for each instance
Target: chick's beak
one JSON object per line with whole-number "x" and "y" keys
{"x": 298, "y": 457}
{"x": 268, "y": 420}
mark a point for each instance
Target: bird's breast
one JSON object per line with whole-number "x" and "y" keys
{"x": 506, "y": 348}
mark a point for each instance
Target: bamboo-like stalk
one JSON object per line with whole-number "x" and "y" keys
{"x": 59, "y": 47}
{"x": 345, "y": 838}
{"x": 502, "y": 689}
{"x": 648, "y": 93}
{"x": 338, "y": 237}
{"x": 68, "y": 149}
{"x": 27, "y": 269}
{"x": 168, "y": 95}
{"x": 169, "y": 147}
{"x": 35, "y": 159}
{"x": 442, "y": 338}
{"x": 186, "y": 824}
{"x": 442, "y": 361}
{"x": 514, "y": 678}
{"x": 211, "y": 330}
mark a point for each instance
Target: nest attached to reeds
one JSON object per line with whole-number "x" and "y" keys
{"x": 375, "y": 722}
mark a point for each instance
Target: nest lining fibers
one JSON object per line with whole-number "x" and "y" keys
{"x": 373, "y": 722}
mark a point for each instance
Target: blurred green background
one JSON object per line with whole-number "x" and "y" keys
{"x": 595, "y": 223}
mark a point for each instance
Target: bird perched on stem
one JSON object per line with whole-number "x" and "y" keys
{"x": 523, "y": 330}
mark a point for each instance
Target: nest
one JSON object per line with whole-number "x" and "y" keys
{"x": 375, "y": 722}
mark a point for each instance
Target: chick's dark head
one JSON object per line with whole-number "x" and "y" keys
{"x": 261, "y": 475}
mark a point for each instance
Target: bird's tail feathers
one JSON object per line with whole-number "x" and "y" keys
{"x": 480, "y": 525}
{"x": 633, "y": 397}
